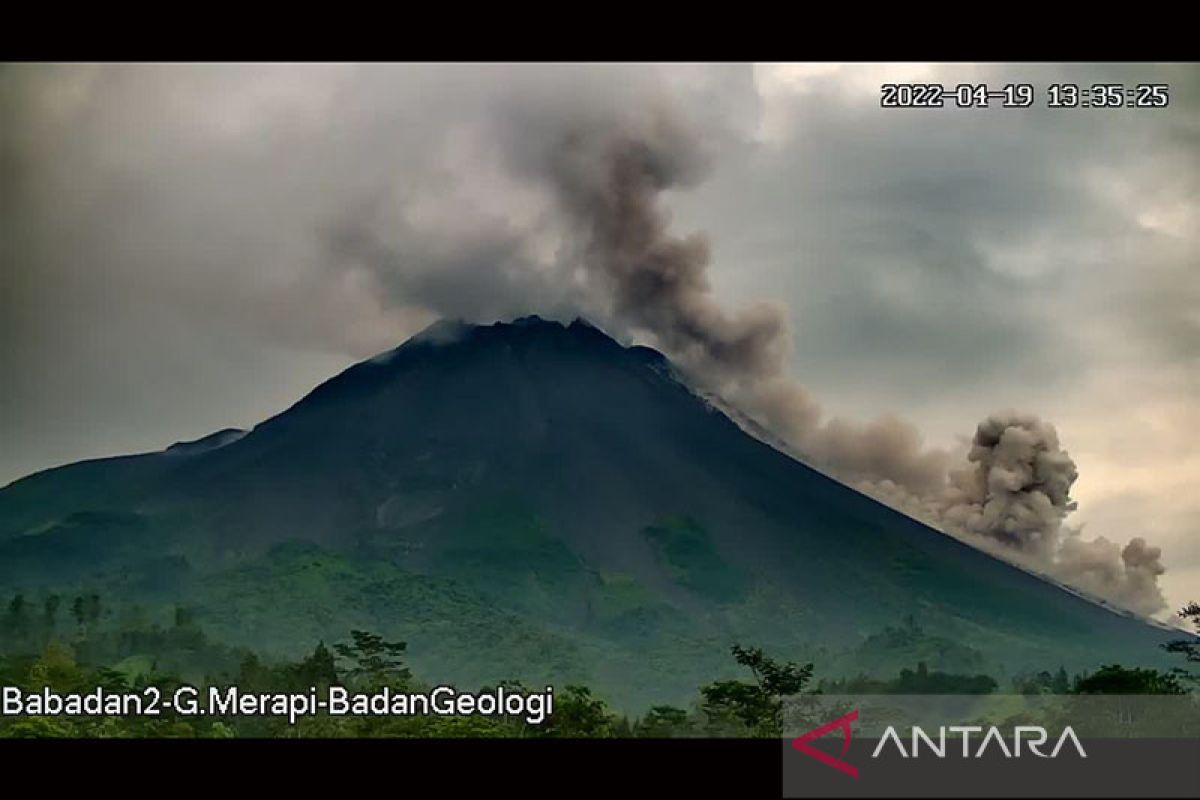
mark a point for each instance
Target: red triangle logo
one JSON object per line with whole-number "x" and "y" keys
{"x": 801, "y": 743}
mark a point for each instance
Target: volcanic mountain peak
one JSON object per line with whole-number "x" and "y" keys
{"x": 533, "y": 499}
{"x": 446, "y": 343}
{"x": 526, "y": 328}
{"x": 447, "y": 332}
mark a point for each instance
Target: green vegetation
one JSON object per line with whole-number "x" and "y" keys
{"x": 1188, "y": 648}
{"x": 919, "y": 681}
{"x": 505, "y": 552}
{"x": 78, "y": 644}
{"x": 491, "y": 589}
{"x": 532, "y": 501}
{"x": 754, "y": 706}
{"x": 685, "y": 548}
{"x": 910, "y": 643}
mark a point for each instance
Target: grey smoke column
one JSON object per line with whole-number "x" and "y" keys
{"x": 604, "y": 169}
{"x": 1012, "y": 498}
{"x": 609, "y": 182}
{"x": 608, "y": 179}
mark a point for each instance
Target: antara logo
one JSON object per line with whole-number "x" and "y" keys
{"x": 843, "y": 722}
{"x": 1035, "y": 738}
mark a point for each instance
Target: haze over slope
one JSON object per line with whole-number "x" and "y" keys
{"x": 534, "y": 500}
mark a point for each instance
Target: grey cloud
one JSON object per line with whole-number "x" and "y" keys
{"x": 955, "y": 232}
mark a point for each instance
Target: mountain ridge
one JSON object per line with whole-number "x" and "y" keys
{"x": 545, "y": 471}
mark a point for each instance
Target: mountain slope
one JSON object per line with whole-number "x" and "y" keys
{"x": 534, "y": 500}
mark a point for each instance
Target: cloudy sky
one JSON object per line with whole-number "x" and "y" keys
{"x": 182, "y": 247}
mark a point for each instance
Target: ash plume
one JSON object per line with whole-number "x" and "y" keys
{"x": 1015, "y": 491}
{"x": 1127, "y": 575}
{"x": 605, "y": 174}
{"x": 608, "y": 183}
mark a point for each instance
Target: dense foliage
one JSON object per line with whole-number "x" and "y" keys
{"x": 66, "y": 645}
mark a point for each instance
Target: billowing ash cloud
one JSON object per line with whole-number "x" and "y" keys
{"x": 608, "y": 182}
{"x": 1012, "y": 499}
{"x": 1017, "y": 492}
{"x": 1127, "y": 575}
{"x": 1018, "y": 489}
{"x": 592, "y": 175}
{"x": 607, "y": 178}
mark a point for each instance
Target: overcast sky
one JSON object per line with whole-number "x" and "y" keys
{"x": 174, "y": 255}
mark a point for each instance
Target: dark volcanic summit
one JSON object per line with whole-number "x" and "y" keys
{"x": 533, "y": 500}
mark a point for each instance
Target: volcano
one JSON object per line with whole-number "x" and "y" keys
{"x": 533, "y": 500}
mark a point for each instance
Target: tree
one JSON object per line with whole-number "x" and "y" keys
{"x": 253, "y": 675}
{"x": 79, "y": 611}
{"x": 374, "y": 660}
{"x": 578, "y": 714}
{"x": 1060, "y": 685}
{"x": 56, "y": 669}
{"x": 318, "y": 669}
{"x": 1115, "y": 679}
{"x": 50, "y": 610}
{"x": 111, "y": 680}
{"x": 1106, "y": 703}
{"x": 1188, "y": 648}
{"x": 925, "y": 682}
{"x": 758, "y": 706}
{"x": 662, "y": 722}
{"x": 184, "y": 617}
{"x": 18, "y": 618}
